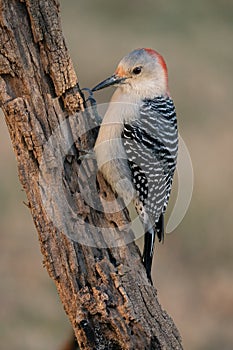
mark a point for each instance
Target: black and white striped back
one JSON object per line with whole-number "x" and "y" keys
{"x": 151, "y": 144}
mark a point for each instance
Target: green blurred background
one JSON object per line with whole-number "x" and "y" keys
{"x": 193, "y": 270}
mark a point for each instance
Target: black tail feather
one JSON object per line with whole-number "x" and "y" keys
{"x": 148, "y": 251}
{"x": 160, "y": 228}
{"x": 149, "y": 241}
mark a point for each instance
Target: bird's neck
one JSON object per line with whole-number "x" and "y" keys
{"x": 138, "y": 92}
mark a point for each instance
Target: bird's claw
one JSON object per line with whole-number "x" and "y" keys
{"x": 93, "y": 104}
{"x": 90, "y": 97}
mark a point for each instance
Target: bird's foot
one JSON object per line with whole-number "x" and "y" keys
{"x": 93, "y": 105}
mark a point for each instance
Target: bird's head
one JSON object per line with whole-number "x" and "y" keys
{"x": 142, "y": 72}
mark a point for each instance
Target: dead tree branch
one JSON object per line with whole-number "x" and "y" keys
{"x": 99, "y": 276}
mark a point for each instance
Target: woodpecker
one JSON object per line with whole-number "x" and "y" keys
{"x": 136, "y": 148}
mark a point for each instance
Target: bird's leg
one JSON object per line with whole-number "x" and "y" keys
{"x": 90, "y": 97}
{"x": 93, "y": 113}
{"x": 93, "y": 105}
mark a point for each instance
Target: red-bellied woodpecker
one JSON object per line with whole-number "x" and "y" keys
{"x": 136, "y": 148}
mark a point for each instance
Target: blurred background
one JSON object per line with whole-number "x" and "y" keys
{"x": 193, "y": 270}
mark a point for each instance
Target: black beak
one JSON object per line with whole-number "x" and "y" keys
{"x": 114, "y": 79}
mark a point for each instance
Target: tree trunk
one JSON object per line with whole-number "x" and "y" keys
{"x": 93, "y": 260}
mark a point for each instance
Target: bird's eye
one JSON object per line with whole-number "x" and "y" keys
{"x": 137, "y": 70}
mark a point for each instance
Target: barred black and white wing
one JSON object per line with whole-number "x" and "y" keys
{"x": 151, "y": 144}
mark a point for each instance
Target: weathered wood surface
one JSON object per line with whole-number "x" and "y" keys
{"x": 104, "y": 290}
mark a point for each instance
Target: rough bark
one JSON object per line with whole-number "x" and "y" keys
{"x": 103, "y": 285}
